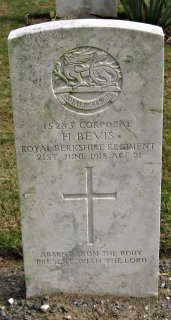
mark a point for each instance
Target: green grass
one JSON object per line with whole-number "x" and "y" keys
{"x": 166, "y": 172}
{"x": 12, "y": 17}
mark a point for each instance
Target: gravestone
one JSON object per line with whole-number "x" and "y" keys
{"x": 86, "y": 8}
{"x": 87, "y": 106}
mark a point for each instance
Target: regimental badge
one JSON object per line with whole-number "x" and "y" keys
{"x": 87, "y": 80}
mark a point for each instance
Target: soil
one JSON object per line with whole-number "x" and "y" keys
{"x": 31, "y": 19}
{"x": 78, "y": 307}
{"x": 168, "y": 35}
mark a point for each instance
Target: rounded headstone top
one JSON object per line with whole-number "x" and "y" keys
{"x": 86, "y": 23}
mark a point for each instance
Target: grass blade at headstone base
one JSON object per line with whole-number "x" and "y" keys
{"x": 136, "y": 7}
{"x": 145, "y": 7}
{"x": 127, "y": 8}
{"x": 139, "y": 10}
{"x": 155, "y": 11}
{"x": 133, "y": 9}
{"x": 166, "y": 17}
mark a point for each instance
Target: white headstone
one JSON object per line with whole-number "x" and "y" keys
{"x": 86, "y": 8}
{"x": 87, "y": 105}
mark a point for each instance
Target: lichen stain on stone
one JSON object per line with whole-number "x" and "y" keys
{"x": 28, "y": 280}
{"x": 29, "y": 193}
{"x": 48, "y": 108}
{"x": 124, "y": 284}
{"x": 156, "y": 110}
{"x": 128, "y": 59}
{"x": 132, "y": 133}
{"x": 142, "y": 105}
{"x": 17, "y": 41}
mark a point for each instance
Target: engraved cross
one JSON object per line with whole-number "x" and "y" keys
{"x": 89, "y": 196}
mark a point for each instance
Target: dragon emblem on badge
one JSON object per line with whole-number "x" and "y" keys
{"x": 87, "y": 79}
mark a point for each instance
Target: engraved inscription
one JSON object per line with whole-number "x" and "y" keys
{"x": 90, "y": 140}
{"x": 88, "y": 151}
{"x": 106, "y": 257}
{"x": 89, "y": 196}
{"x": 116, "y": 124}
{"x": 88, "y": 71}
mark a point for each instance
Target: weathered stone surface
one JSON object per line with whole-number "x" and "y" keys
{"x": 87, "y": 105}
{"x": 86, "y": 8}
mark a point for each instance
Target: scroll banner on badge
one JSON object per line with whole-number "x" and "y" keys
{"x": 89, "y": 104}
